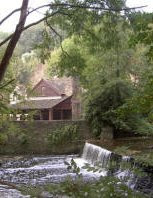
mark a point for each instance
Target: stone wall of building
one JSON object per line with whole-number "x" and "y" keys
{"x": 32, "y": 137}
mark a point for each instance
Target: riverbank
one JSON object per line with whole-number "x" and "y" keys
{"x": 43, "y": 137}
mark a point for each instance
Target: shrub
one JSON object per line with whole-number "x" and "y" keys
{"x": 64, "y": 134}
{"x": 3, "y": 139}
{"x": 101, "y": 109}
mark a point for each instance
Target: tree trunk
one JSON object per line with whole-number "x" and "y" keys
{"x": 12, "y": 44}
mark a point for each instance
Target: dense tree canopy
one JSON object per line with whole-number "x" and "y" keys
{"x": 111, "y": 71}
{"x": 75, "y": 10}
{"x": 109, "y": 51}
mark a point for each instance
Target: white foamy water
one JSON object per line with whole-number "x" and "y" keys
{"x": 6, "y": 192}
{"x": 94, "y": 154}
{"x": 43, "y": 170}
{"x": 40, "y": 170}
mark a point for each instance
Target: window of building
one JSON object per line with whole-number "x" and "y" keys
{"x": 57, "y": 114}
{"x": 45, "y": 114}
{"x": 43, "y": 90}
{"x": 67, "y": 114}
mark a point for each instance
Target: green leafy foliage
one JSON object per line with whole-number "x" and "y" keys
{"x": 101, "y": 109}
{"x": 72, "y": 166}
{"x": 30, "y": 38}
{"x": 110, "y": 71}
{"x": 146, "y": 159}
{"x": 137, "y": 111}
{"x": 106, "y": 187}
{"x": 68, "y": 60}
{"x": 3, "y": 139}
{"x": 142, "y": 24}
{"x": 68, "y": 133}
{"x": 11, "y": 133}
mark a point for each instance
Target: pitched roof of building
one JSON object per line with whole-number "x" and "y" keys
{"x": 59, "y": 85}
{"x": 38, "y": 104}
{"x": 47, "y": 84}
{"x": 58, "y": 88}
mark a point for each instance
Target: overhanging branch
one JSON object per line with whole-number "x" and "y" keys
{"x": 39, "y": 21}
{"x": 66, "y": 5}
{"x": 10, "y": 14}
{"x": 27, "y": 27}
{"x": 83, "y": 6}
{"x": 13, "y": 38}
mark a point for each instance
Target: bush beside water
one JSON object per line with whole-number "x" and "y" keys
{"x": 68, "y": 133}
{"x": 28, "y": 137}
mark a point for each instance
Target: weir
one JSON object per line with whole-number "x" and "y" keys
{"x": 104, "y": 158}
{"x": 42, "y": 170}
{"x": 95, "y": 154}
{"x": 124, "y": 167}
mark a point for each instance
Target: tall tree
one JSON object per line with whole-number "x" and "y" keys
{"x": 12, "y": 43}
{"x": 55, "y": 7}
{"x": 107, "y": 66}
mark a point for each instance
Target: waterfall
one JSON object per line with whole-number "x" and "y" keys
{"x": 95, "y": 154}
{"x": 42, "y": 170}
